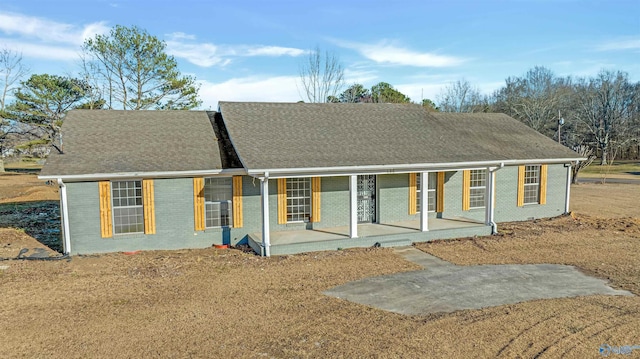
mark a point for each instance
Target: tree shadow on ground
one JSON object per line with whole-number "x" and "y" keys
{"x": 40, "y": 220}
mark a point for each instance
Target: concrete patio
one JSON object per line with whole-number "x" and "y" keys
{"x": 445, "y": 287}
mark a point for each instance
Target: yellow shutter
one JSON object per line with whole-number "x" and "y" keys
{"x": 413, "y": 194}
{"x": 237, "y": 202}
{"x": 316, "y": 189}
{"x": 466, "y": 190}
{"x": 148, "y": 203}
{"x": 282, "y": 200}
{"x": 106, "y": 228}
{"x": 198, "y": 203}
{"x": 440, "y": 193}
{"x": 521, "y": 186}
{"x": 543, "y": 184}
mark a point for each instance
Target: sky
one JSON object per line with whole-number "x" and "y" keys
{"x": 252, "y": 50}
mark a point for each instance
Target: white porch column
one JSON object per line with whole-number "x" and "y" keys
{"x": 264, "y": 196}
{"x": 489, "y": 194}
{"x": 353, "y": 206}
{"x": 424, "y": 201}
{"x": 568, "y": 190}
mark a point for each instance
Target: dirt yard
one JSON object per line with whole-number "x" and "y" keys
{"x": 213, "y": 303}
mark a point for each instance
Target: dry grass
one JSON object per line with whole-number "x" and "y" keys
{"x": 226, "y": 303}
{"x": 16, "y": 187}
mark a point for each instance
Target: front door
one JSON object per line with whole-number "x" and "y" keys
{"x": 367, "y": 199}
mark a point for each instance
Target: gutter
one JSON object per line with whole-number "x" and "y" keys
{"x": 403, "y": 168}
{"x": 66, "y": 239}
{"x": 159, "y": 174}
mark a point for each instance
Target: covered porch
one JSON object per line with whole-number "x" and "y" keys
{"x": 360, "y": 197}
{"x": 400, "y": 233}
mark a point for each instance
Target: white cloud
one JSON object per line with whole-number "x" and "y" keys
{"x": 207, "y": 54}
{"x": 39, "y": 51}
{"x": 271, "y": 51}
{"x": 204, "y": 55}
{"x": 254, "y": 88}
{"x": 359, "y": 76}
{"x": 616, "y": 45}
{"x": 385, "y": 52}
{"x": 29, "y": 27}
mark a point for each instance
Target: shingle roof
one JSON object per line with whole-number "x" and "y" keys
{"x": 295, "y": 135}
{"x": 111, "y": 141}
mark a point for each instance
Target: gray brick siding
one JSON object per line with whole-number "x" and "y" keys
{"x": 506, "y": 187}
{"x": 175, "y": 217}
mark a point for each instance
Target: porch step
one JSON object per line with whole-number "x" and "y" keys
{"x": 401, "y": 242}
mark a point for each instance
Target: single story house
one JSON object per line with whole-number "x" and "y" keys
{"x": 295, "y": 177}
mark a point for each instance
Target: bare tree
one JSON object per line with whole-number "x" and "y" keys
{"x": 321, "y": 76}
{"x": 460, "y": 96}
{"x": 534, "y": 99}
{"x": 90, "y": 73}
{"x": 605, "y": 107}
{"x": 586, "y": 152}
{"x": 12, "y": 69}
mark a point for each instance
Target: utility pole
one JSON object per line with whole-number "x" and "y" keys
{"x": 560, "y": 123}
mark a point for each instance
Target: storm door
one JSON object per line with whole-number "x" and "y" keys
{"x": 367, "y": 199}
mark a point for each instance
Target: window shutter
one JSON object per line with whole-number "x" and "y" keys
{"x": 237, "y": 202}
{"x": 198, "y": 203}
{"x": 106, "y": 227}
{"x": 282, "y": 200}
{"x": 521, "y": 186}
{"x": 466, "y": 190}
{"x": 543, "y": 184}
{"x": 413, "y": 194}
{"x": 440, "y": 193}
{"x": 316, "y": 189}
{"x": 148, "y": 203}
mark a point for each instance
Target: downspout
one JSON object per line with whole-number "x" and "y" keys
{"x": 568, "y": 189}
{"x": 264, "y": 196}
{"x": 64, "y": 214}
{"x": 492, "y": 221}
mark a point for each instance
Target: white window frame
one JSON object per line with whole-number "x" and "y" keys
{"x": 431, "y": 192}
{"x": 298, "y": 190}
{"x": 474, "y": 177}
{"x": 216, "y": 198}
{"x": 117, "y": 217}
{"x": 531, "y": 184}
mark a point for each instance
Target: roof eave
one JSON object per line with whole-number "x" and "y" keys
{"x": 399, "y": 168}
{"x": 159, "y": 174}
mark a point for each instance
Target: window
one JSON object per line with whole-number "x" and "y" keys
{"x": 218, "y": 197}
{"x": 477, "y": 187}
{"x": 128, "y": 211}
{"x": 298, "y": 199}
{"x": 431, "y": 192}
{"x": 532, "y": 184}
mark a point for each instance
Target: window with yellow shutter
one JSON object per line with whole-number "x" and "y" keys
{"x": 532, "y": 186}
{"x": 127, "y": 207}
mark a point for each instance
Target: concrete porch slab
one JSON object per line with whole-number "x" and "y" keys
{"x": 444, "y": 287}
{"x": 365, "y": 230}
{"x": 370, "y": 234}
